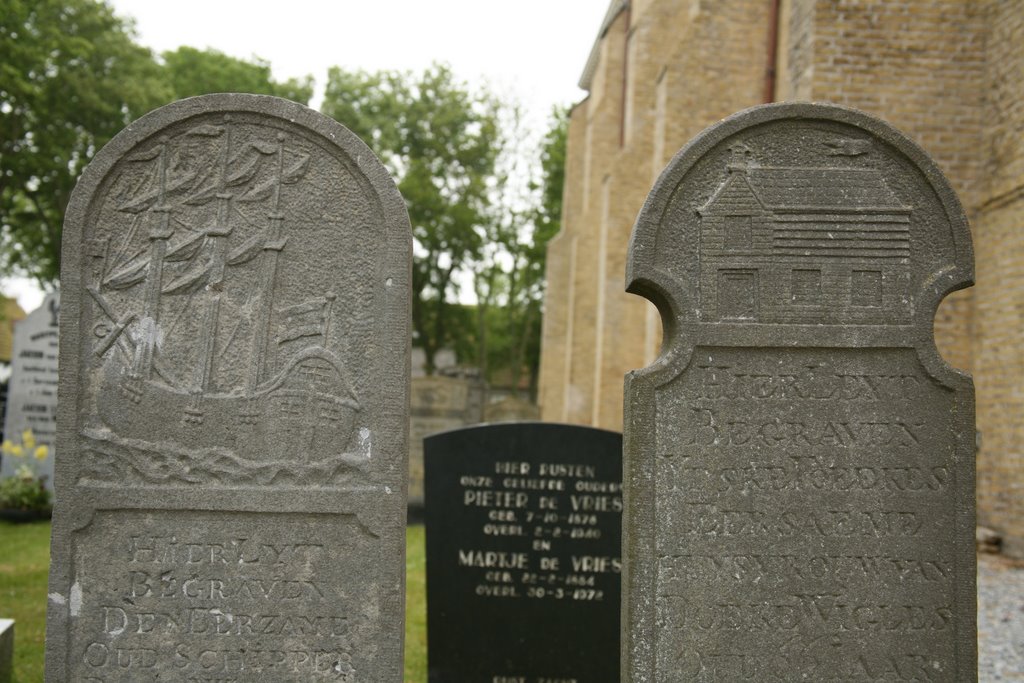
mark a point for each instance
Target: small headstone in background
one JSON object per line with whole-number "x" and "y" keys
{"x": 439, "y": 403}
{"x": 32, "y": 389}
{"x": 799, "y": 464}
{"x": 523, "y": 554}
{"x": 234, "y": 404}
{"x": 511, "y": 409}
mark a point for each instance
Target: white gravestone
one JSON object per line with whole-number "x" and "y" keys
{"x": 32, "y": 391}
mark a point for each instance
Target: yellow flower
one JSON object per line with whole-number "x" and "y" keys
{"x": 7, "y": 447}
{"x": 29, "y": 439}
{"x": 16, "y": 450}
{"x": 41, "y": 452}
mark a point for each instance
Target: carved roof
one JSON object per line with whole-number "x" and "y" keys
{"x": 847, "y": 190}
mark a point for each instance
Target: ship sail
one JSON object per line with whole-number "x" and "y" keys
{"x": 296, "y": 171}
{"x": 194, "y": 260}
{"x": 260, "y": 192}
{"x": 148, "y": 200}
{"x": 191, "y": 281}
{"x": 308, "y": 319}
{"x": 132, "y": 274}
{"x": 134, "y": 271}
{"x": 248, "y": 250}
{"x": 186, "y": 249}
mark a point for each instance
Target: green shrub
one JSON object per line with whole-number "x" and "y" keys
{"x": 24, "y": 491}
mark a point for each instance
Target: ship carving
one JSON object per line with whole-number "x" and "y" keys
{"x": 198, "y": 359}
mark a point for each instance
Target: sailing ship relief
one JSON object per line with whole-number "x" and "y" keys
{"x": 213, "y": 362}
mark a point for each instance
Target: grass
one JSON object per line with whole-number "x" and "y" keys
{"x": 24, "y": 562}
{"x": 415, "y": 605}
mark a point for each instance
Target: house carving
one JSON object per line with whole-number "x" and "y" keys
{"x": 805, "y": 246}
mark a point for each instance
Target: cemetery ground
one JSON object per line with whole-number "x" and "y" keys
{"x": 25, "y": 560}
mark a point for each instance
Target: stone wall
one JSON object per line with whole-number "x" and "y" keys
{"x": 920, "y": 66}
{"x": 999, "y": 295}
{"x": 655, "y": 60}
{"x": 946, "y": 72}
{"x": 437, "y": 404}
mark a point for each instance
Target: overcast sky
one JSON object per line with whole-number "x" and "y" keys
{"x": 534, "y": 50}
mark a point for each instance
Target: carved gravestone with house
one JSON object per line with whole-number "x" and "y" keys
{"x": 233, "y": 404}
{"x": 799, "y": 461}
{"x": 32, "y": 389}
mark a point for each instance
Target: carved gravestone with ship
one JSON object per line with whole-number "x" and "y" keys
{"x": 799, "y": 461}
{"x": 232, "y": 421}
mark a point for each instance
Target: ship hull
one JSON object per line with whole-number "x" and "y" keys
{"x": 305, "y": 414}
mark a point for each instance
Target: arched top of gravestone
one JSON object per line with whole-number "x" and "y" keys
{"x": 201, "y": 117}
{"x": 800, "y": 224}
{"x": 237, "y": 268}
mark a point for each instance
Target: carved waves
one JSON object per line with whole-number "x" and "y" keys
{"x": 111, "y": 460}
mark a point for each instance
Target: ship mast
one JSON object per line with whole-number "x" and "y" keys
{"x": 273, "y": 246}
{"x": 218, "y": 235}
{"x": 160, "y": 231}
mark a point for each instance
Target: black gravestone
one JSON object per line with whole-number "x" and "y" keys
{"x": 523, "y": 525}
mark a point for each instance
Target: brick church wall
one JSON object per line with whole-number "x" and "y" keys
{"x": 946, "y": 72}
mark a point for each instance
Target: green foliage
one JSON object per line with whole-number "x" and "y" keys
{"x": 439, "y": 140}
{"x": 70, "y": 78}
{"x": 552, "y": 184}
{"x": 514, "y": 279}
{"x": 193, "y": 72}
{"x": 461, "y": 160}
{"x": 26, "y": 490}
{"x": 547, "y": 221}
{"x": 23, "y": 491}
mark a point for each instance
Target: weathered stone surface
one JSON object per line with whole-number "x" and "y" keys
{"x": 523, "y": 564}
{"x": 511, "y": 409}
{"x": 32, "y": 390}
{"x": 799, "y": 460}
{"x": 438, "y": 404}
{"x": 233, "y": 404}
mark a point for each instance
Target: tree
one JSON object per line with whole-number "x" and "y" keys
{"x": 529, "y": 255}
{"x": 547, "y": 223}
{"x": 439, "y": 140}
{"x": 552, "y": 181}
{"x": 193, "y": 72}
{"x": 508, "y": 274}
{"x": 71, "y": 77}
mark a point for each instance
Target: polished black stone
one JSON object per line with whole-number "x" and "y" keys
{"x": 523, "y": 526}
